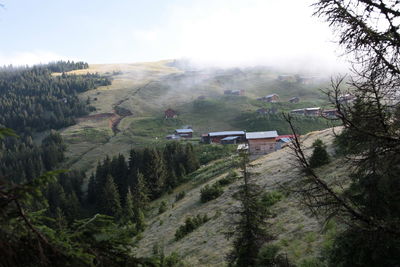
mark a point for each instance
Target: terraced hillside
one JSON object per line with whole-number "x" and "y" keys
{"x": 298, "y": 235}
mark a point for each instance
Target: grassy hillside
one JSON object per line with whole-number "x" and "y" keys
{"x": 130, "y": 112}
{"x": 297, "y": 234}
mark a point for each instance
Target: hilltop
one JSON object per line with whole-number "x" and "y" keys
{"x": 298, "y": 234}
{"x": 130, "y": 112}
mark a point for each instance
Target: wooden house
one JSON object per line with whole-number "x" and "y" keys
{"x": 312, "y": 111}
{"x": 261, "y": 142}
{"x": 297, "y": 111}
{"x": 294, "y": 100}
{"x": 216, "y": 137}
{"x": 170, "y": 113}
{"x": 271, "y": 98}
{"x": 330, "y": 113}
{"x": 185, "y": 133}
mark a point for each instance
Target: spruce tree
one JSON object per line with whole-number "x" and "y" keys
{"x": 120, "y": 171}
{"x": 139, "y": 220}
{"x": 140, "y": 193}
{"x": 249, "y": 231}
{"x": 154, "y": 171}
{"x": 191, "y": 161}
{"x": 319, "y": 156}
{"x": 141, "y": 201}
{"x": 91, "y": 192}
{"x": 128, "y": 211}
{"x": 110, "y": 201}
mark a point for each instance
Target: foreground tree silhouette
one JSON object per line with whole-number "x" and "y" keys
{"x": 370, "y": 206}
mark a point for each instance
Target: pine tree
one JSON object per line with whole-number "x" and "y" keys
{"x": 140, "y": 221}
{"x": 91, "y": 192}
{"x": 110, "y": 201}
{"x": 191, "y": 161}
{"x": 249, "y": 231}
{"x": 141, "y": 202}
{"x": 140, "y": 193}
{"x": 154, "y": 172}
{"x": 129, "y": 212}
{"x": 319, "y": 156}
{"x": 119, "y": 170}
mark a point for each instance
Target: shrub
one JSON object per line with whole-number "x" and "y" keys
{"x": 319, "y": 156}
{"x": 163, "y": 207}
{"x": 230, "y": 178}
{"x": 180, "y": 196}
{"x": 191, "y": 223}
{"x": 271, "y": 198}
{"x": 208, "y": 192}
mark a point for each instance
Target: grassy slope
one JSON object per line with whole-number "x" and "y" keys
{"x": 147, "y": 89}
{"x": 297, "y": 233}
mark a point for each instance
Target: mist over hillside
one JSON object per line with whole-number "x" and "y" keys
{"x": 200, "y": 133}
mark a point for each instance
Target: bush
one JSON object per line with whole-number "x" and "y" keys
{"x": 163, "y": 207}
{"x": 208, "y": 192}
{"x": 271, "y": 198}
{"x": 180, "y": 196}
{"x": 191, "y": 223}
{"x": 230, "y": 178}
{"x": 319, "y": 156}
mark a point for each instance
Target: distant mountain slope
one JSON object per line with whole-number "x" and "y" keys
{"x": 130, "y": 112}
{"x": 298, "y": 234}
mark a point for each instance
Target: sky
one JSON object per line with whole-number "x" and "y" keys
{"x": 220, "y": 32}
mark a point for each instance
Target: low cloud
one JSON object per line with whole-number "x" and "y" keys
{"x": 270, "y": 32}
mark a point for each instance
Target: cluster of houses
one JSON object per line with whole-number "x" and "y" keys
{"x": 274, "y": 98}
{"x": 257, "y": 143}
{"x": 315, "y": 112}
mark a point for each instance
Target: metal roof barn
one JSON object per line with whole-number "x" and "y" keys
{"x": 261, "y": 135}
{"x": 226, "y": 133}
{"x": 184, "y": 131}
